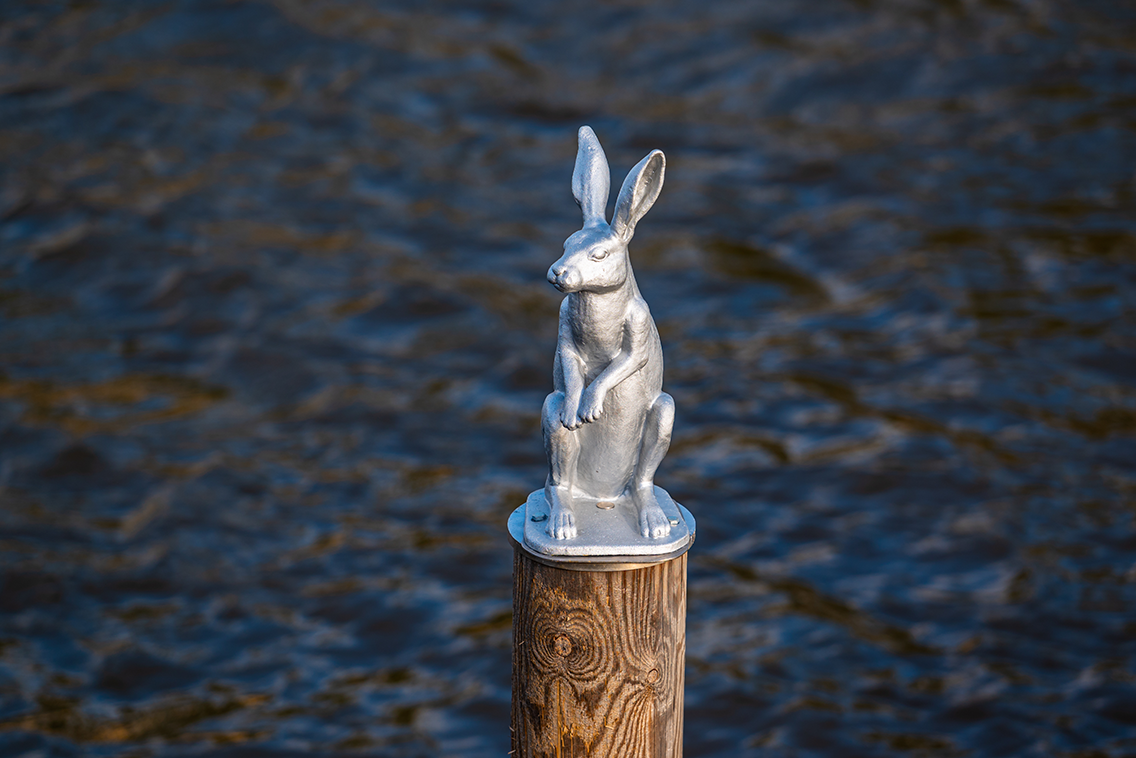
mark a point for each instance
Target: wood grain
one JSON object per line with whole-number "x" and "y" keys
{"x": 598, "y": 661}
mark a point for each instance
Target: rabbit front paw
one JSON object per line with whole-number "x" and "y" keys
{"x": 591, "y": 405}
{"x": 569, "y": 418}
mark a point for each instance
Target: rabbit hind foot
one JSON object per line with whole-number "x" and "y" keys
{"x": 561, "y": 519}
{"x": 653, "y": 522}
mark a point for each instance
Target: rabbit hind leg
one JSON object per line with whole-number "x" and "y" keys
{"x": 653, "y": 523}
{"x": 562, "y": 446}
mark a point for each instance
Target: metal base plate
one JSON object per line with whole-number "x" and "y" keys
{"x": 605, "y": 531}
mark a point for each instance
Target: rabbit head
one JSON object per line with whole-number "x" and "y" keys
{"x": 595, "y": 258}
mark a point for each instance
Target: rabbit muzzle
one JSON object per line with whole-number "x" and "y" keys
{"x": 564, "y": 278}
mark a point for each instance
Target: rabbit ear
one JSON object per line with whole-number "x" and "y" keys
{"x": 639, "y": 192}
{"x": 591, "y": 180}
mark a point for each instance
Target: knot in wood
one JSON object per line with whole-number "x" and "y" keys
{"x": 653, "y": 676}
{"x": 562, "y": 645}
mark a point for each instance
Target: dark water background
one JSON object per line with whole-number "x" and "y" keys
{"x": 276, "y": 335}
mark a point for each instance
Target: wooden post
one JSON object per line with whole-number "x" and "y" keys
{"x": 598, "y": 657}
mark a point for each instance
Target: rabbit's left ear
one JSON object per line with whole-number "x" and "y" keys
{"x": 639, "y": 192}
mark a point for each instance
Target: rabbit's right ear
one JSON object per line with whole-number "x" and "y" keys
{"x": 591, "y": 179}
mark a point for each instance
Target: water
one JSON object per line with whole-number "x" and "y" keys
{"x": 276, "y": 335}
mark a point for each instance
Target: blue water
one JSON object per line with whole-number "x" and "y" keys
{"x": 275, "y": 334}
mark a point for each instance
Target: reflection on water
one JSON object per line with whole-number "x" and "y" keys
{"x": 276, "y": 334}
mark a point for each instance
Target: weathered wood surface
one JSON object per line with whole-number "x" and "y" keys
{"x": 598, "y": 660}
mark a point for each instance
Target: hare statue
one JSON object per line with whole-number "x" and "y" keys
{"x": 607, "y": 424}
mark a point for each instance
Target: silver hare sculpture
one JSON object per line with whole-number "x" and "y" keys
{"x": 608, "y": 423}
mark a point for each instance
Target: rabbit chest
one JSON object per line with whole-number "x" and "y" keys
{"x": 598, "y": 330}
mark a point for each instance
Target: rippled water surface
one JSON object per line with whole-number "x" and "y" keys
{"x": 275, "y": 336}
